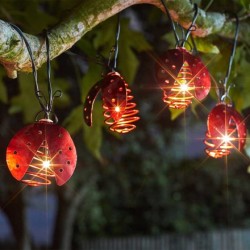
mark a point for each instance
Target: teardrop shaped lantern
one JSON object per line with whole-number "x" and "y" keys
{"x": 119, "y": 110}
{"x": 226, "y": 130}
{"x": 182, "y": 77}
{"x": 41, "y": 152}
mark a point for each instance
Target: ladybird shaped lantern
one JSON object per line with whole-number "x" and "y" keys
{"x": 180, "y": 74}
{"x": 119, "y": 110}
{"x": 226, "y": 130}
{"x": 41, "y": 152}
{"x": 182, "y": 77}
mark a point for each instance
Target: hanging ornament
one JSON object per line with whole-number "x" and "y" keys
{"x": 226, "y": 129}
{"x": 182, "y": 75}
{"x": 119, "y": 110}
{"x": 43, "y": 150}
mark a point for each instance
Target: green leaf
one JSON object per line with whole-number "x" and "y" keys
{"x": 175, "y": 113}
{"x": 205, "y": 46}
{"x": 26, "y": 101}
{"x": 130, "y": 42}
{"x": 93, "y": 75}
{"x": 74, "y": 121}
{"x": 93, "y": 135}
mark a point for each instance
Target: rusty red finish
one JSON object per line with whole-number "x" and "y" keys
{"x": 25, "y": 154}
{"x": 222, "y": 121}
{"x": 119, "y": 111}
{"x": 114, "y": 95}
{"x": 171, "y": 65}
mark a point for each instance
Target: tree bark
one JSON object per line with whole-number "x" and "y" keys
{"x": 14, "y": 55}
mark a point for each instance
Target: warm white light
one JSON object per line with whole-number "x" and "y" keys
{"x": 226, "y": 138}
{"x": 117, "y": 109}
{"x": 184, "y": 87}
{"x": 46, "y": 164}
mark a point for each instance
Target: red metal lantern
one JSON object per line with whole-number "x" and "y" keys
{"x": 119, "y": 110}
{"x": 226, "y": 130}
{"x": 40, "y": 152}
{"x": 182, "y": 77}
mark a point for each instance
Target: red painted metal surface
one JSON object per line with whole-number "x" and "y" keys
{"x": 176, "y": 66}
{"x": 223, "y": 121}
{"x": 39, "y": 142}
{"x": 114, "y": 95}
{"x": 119, "y": 110}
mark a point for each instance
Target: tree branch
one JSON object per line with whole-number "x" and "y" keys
{"x": 14, "y": 56}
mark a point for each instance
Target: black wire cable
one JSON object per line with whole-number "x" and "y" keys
{"x": 46, "y": 106}
{"x": 192, "y": 26}
{"x": 30, "y": 54}
{"x": 232, "y": 51}
{"x": 171, "y": 21}
{"x": 226, "y": 88}
{"x": 118, "y": 31}
{"x": 115, "y": 49}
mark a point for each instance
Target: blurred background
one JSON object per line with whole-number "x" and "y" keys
{"x": 154, "y": 188}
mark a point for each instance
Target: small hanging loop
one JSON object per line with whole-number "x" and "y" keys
{"x": 115, "y": 49}
{"x": 226, "y": 98}
{"x": 192, "y": 27}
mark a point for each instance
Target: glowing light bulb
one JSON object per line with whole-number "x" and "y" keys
{"x": 117, "y": 109}
{"x": 226, "y": 138}
{"x": 184, "y": 87}
{"x": 46, "y": 164}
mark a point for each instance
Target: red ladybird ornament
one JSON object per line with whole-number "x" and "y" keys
{"x": 41, "y": 152}
{"x": 226, "y": 130}
{"x": 182, "y": 77}
{"x": 119, "y": 110}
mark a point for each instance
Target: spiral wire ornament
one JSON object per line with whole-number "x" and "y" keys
{"x": 182, "y": 92}
{"x": 125, "y": 123}
{"x": 224, "y": 144}
{"x": 39, "y": 170}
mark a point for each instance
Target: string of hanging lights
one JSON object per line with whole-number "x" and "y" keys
{"x": 226, "y": 129}
{"x": 41, "y": 151}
